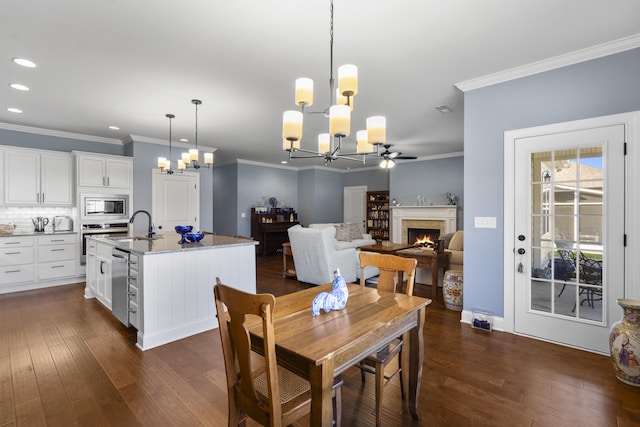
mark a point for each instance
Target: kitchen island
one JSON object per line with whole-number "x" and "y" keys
{"x": 170, "y": 285}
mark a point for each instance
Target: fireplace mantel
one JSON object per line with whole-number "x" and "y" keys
{"x": 446, "y": 213}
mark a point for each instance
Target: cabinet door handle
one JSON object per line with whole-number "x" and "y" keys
{"x": 56, "y": 250}
{"x": 108, "y": 182}
{"x": 131, "y": 310}
{"x": 13, "y": 253}
{"x": 101, "y": 271}
{"x": 42, "y": 197}
{"x": 13, "y": 271}
{"x": 57, "y": 240}
{"x": 12, "y": 243}
{"x": 57, "y": 266}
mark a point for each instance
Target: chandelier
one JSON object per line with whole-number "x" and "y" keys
{"x": 368, "y": 141}
{"x": 188, "y": 159}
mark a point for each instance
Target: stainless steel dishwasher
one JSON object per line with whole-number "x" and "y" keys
{"x": 119, "y": 285}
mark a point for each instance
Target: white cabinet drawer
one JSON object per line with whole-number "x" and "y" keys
{"x": 16, "y": 274}
{"x": 104, "y": 250}
{"x": 12, "y": 242}
{"x": 54, "y": 270}
{"x": 133, "y": 293}
{"x": 16, "y": 256}
{"x": 133, "y": 314}
{"x": 57, "y": 240}
{"x": 56, "y": 253}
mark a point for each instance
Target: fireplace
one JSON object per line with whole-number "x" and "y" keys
{"x": 441, "y": 218}
{"x": 422, "y": 236}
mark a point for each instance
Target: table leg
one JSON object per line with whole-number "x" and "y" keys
{"x": 321, "y": 379}
{"x": 413, "y": 359}
{"x": 434, "y": 280}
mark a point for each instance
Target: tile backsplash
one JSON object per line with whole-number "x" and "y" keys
{"x": 21, "y": 217}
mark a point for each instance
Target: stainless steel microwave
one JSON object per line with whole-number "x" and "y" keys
{"x": 104, "y": 207}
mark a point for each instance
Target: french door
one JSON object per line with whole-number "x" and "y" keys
{"x": 569, "y": 204}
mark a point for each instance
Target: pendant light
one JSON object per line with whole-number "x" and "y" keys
{"x": 190, "y": 159}
{"x": 163, "y": 163}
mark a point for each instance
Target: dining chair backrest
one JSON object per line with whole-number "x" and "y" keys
{"x": 236, "y": 347}
{"x": 390, "y": 267}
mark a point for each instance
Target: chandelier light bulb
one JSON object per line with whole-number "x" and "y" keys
{"x": 193, "y": 154}
{"x": 181, "y": 165}
{"x": 161, "y": 162}
{"x": 339, "y": 120}
{"x": 292, "y": 125}
{"x": 348, "y": 80}
{"x": 324, "y": 143}
{"x": 304, "y": 91}
{"x": 208, "y": 158}
{"x": 377, "y": 128}
{"x": 362, "y": 142}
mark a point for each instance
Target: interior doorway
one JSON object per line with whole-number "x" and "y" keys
{"x": 176, "y": 200}
{"x": 354, "y": 205}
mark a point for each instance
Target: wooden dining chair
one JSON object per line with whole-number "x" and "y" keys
{"x": 269, "y": 394}
{"x": 393, "y": 269}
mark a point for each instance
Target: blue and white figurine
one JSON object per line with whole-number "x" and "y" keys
{"x": 334, "y": 300}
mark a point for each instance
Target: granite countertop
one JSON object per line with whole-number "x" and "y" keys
{"x": 171, "y": 243}
{"x": 34, "y": 233}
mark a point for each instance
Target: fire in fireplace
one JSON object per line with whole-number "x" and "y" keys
{"x": 422, "y": 236}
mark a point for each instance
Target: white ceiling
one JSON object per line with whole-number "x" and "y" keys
{"x": 129, "y": 62}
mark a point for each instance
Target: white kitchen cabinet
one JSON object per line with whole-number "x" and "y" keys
{"x": 103, "y": 276}
{"x": 92, "y": 269}
{"x": 16, "y": 260}
{"x": 57, "y": 256}
{"x": 104, "y": 171}
{"x": 37, "y": 178}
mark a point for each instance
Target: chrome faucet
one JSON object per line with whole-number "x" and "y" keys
{"x": 150, "y": 229}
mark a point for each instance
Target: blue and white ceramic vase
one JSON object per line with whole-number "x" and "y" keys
{"x": 624, "y": 342}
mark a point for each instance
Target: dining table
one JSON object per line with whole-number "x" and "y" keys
{"x": 319, "y": 348}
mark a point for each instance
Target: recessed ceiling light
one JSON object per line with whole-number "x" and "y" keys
{"x": 114, "y": 128}
{"x": 18, "y": 86}
{"x": 14, "y": 110}
{"x": 24, "y": 62}
{"x": 284, "y": 162}
{"x": 443, "y": 109}
{"x": 184, "y": 140}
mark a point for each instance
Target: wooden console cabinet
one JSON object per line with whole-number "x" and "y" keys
{"x": 270, "y": 229}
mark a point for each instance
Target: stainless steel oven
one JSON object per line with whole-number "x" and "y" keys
{"x": 117, "y": 229}
{"x": 104, "y": 207}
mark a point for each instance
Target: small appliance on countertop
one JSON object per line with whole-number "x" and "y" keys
{"x": 62, "y": 223}
{"x": 39, "y": 223}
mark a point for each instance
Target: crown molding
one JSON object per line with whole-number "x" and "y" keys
{"x": 582, "y": 55}
{"x": 59, "y": 134}
{"x": 150, "y": 140}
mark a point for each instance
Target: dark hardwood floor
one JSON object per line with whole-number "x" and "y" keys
{"x": 66, "y": 361}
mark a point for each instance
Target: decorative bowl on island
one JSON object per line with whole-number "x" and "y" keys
{"x": 194, "y": 237}
{"x": 181, "y": 229}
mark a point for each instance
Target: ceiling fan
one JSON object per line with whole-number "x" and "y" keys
{"x": 389, "y": 157}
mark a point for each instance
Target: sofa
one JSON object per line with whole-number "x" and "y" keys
{"x": 454, "y": 244}
{"x": 348, "y": 235}
{"x": 316, "y": 256}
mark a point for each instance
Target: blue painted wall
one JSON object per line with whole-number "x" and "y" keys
{"x": 256, "y": 183}
{"x": 600, "y": 87}
{"x": 431, "y": 179}
{"x": 56, "y": 143}
{"x": 376, "y": 179}
{"x": 225, "y": 199}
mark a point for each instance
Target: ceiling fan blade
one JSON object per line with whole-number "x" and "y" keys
{"x": 394, "y": 155}
{"x": 406, "y": 157}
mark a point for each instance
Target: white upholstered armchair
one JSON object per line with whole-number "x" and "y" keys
{"x": 316, "y": 258}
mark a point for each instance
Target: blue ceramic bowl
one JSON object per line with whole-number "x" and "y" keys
{"x": 183, "y": 228}
{"x": 194, "y": 237}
